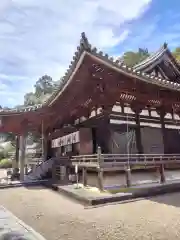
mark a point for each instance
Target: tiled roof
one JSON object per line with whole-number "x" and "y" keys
{"x": 155, "y": 58}
{"x": 85, "y": 46}
{"x": 152, "y": 58}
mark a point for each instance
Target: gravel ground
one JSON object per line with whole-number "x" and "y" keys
{"x": 56, "y": 217}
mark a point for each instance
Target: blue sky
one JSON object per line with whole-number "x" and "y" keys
{"x": 39, "y": 37}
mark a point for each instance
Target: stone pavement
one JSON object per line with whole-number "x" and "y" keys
{"x": 13, "y": 228}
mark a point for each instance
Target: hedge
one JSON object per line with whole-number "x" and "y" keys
{"x": 5, "y": 163}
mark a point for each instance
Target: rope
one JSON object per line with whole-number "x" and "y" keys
{"x": 42, "y": 138}
{"x": 127, "y": 132}
{"x": 175, "y": 123}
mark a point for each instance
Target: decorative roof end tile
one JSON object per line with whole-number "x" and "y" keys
{"x": 165, "y": 45}
{"x": 106, "y": 55}
{"x": 94, "y": 50}
{"x": 84, "y": 41}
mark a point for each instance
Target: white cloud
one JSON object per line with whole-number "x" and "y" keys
{"x": 4, "y": 4}
{"x": 40, "y": 37}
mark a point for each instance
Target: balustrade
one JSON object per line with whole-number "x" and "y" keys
{"x": 124, "y": 159}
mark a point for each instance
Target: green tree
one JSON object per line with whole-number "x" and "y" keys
{"x": 43, "y": 86}
{"x": 31, "y": 99}
{"x": 132, "y": 58}
{"x": 176, "y": 53}
{"x": 11, "y": 138}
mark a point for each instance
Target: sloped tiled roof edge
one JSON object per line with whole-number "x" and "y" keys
{"x": 152, "y": 58}
{"x": 85, "y": 47}
{"x": 155, "y": 57}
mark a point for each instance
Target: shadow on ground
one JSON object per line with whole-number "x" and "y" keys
{"x": 35, "y": 187}
{"x": 171, "y": 199}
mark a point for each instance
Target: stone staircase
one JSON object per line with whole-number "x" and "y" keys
{"x": 39, "y": 171}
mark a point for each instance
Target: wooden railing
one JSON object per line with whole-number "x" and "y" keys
{"x": 34, "y": 161}
{"x": 112, "y": 160}
{"x": 124, "y": 159}
{"x": 88, "y": 160}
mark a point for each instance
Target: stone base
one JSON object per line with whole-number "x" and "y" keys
{"x": 135, "y": 192}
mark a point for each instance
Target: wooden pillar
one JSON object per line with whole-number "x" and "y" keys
{"x": 162, "y": 174}
{"x": 17, "y": 151}
{"x": 63, "y": 173}
{"x": 100, "y": 179}
{"x": 45, "y": 147}
{"x": 138, "y": 133}
{"x": 94, "y": 139}
{"x": 49, "y": 149}
{"x": 26, "y": 169}
{"x": 44, "y": 142}
{"x": 22, "y": 149}
{"x": 128, "y": 176}
{"x": 100, "y": 170}
{"x": 15, "y": 159}
{"x": 99, "y": 157}
{"x": 137, "y": 108}
{"x": 54, "y": 171}
{"x": 84, "y": 176}
{"x": 162, "y": 114}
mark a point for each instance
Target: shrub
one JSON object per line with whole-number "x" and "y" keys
{"x": 5, "y": 163}
{"x": 1, "y": 154}
{"x": 6, "y": 150}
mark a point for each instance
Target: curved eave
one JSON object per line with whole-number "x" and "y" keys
{"x": 174, "y": 61}
{"x": 156, "y": 58}
{"x": 57, "y": 94}
{"x": 85, "y": 49}
{"x": 118, "y": 66}
{"x": 24, "y": 110}
{"x": 151, "y": 60}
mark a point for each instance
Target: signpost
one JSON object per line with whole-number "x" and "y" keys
{"x": 77, "y": 177}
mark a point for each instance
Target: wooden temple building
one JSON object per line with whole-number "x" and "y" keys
{"x": 104, "y": 103}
